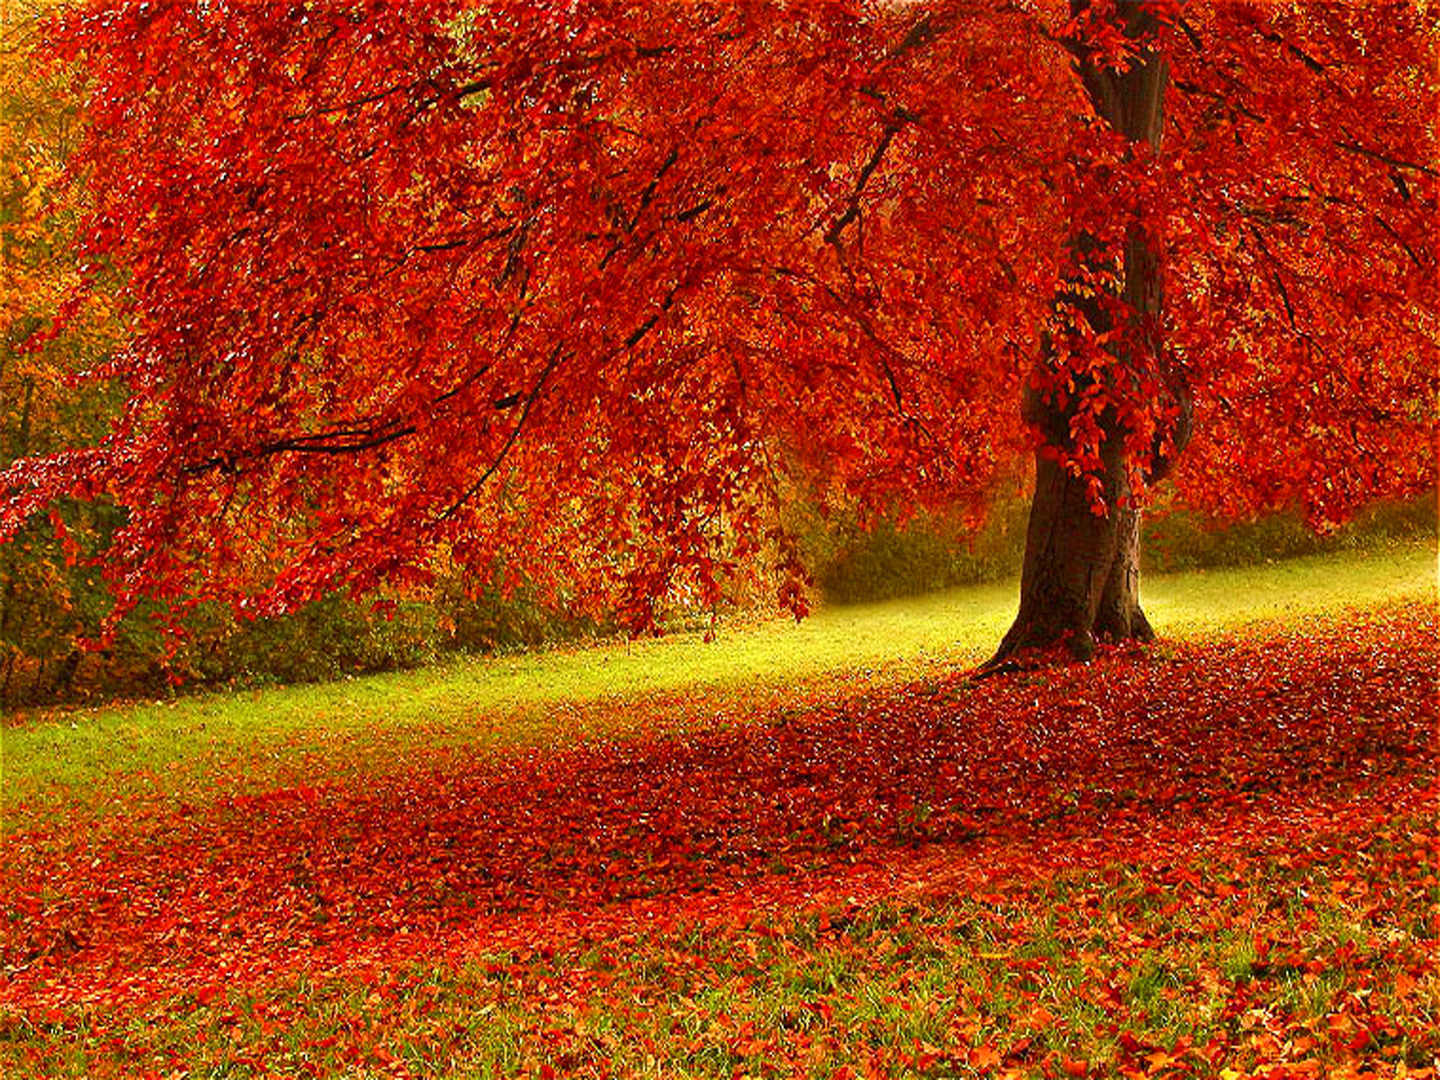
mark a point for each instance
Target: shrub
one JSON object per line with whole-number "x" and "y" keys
{"x": 924, "y": 554}
{"x": 852, "y": 564}
{"x": 1184, "y": 540}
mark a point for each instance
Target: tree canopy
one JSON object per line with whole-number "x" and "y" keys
{"x": 600, "y": 285}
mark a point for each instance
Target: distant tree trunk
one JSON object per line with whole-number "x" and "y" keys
{"x": 1081, "y": 575}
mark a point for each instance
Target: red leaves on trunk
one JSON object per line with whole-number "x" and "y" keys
{"x": 945, "y": 785}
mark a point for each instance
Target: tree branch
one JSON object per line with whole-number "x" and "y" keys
{"x": 1351, "y": 146}
{"x": 510, "y": 439}
{"x": 852, "y": 208}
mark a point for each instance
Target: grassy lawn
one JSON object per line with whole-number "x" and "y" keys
{"x": 813, "y": 850}
{"x": 251, "y": 740}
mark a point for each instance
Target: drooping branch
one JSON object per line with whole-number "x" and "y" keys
{"x": 1353, "y": 146}
{"x": 504, "y": 451}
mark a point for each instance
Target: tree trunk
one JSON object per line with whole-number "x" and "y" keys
{"x": 1081, "y": 575}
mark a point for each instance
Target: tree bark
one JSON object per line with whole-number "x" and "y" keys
{"x": 1081, "y": 576}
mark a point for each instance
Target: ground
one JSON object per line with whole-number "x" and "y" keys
{"x": 802, "y": 851}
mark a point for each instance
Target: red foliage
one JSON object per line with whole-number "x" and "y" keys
{"x": 594, "y": 283}
{"x": 1142, "y": 759}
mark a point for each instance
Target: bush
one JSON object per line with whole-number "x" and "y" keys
{"x": 1184, "y": 540}
{"x": 926, "y": 553}
{"x": 333, "y": 636}
{"x": 853, "y": 565}
{"x": 495, "y": 622}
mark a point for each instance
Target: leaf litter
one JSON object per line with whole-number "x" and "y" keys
{"x": 1270, "y": 747}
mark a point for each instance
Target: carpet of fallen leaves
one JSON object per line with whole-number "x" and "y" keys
{"x": 1220, "y": 757}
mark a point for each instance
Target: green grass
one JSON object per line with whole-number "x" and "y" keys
{"x": 250, "y": 739}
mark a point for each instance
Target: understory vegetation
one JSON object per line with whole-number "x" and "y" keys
{"x": 894, "y": 559}
{"x": 41, "y": 661}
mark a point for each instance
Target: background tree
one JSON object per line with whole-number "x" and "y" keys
{"x": 48, "y": 600}
{"x": 597, "y": 285}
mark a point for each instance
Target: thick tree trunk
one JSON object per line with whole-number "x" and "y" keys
{"x": 1081, "y": 575}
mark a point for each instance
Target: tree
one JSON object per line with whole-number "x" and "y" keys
{"x": 46, "y": 599}
{"x": 1081, "y": 573}
{"x": 598, "y": 284}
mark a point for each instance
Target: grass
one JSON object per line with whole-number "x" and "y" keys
{"x": 250, "y": 740}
